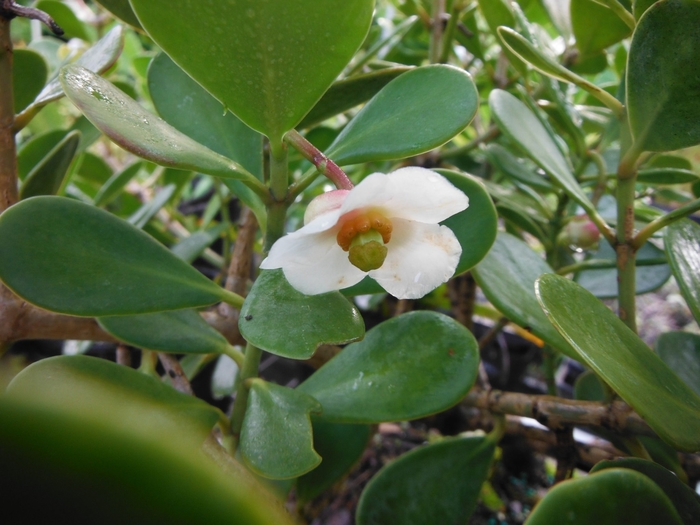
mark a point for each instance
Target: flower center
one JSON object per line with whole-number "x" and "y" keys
{"x": 364, "y": 237}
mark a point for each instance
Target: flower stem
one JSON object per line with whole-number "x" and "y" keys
{"x": 324, "y": 165}
{"x": 248, "y": 371}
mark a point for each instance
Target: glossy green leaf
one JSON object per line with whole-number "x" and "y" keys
{"x": 666, "y": 176}
{"x": 438, "y": 483}
{"x": 100, "y": 472}
{"x": 64, "y": 17}
{"x": 104, "y": 266}
{"x": 507, "y": 277}
{"x": 192, "y": 247}
{"x": 146, "y": 212}
{"x": 122, "y": 10}
{"x": 405, "y": 368}
{"x": 681, "y": 352}
{"x": 682, "y": 243}
{"x": 301, "y": 322}
{"x": 663, "y": 101}
{"x": 520, "y": 125}
{"x": 104, "y": 392}
{"x": 187, "y": 107}
{"x": 267, "y": 62}
{"x": 595, "y": 26}
{"x": 138, "y": 131}
{"x": 636, "y": 373}
{"x": 416, "y": 112}
{"x": 47, "y": 177}
{"x": 116, "y": 183}
{"x": 276, "y": 438}
{"x": 350, "y": 92}
{"x": 340, "y": 447}
{"x": 683, "y": 498}
{"x": 29, "y": 74}
{"x": 648, "y": 277}
{"x": 610, "y": 497}
{"x": 179, "y": 331}
{"x": 35, "y": 150}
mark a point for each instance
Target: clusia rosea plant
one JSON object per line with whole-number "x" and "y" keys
{"x": 564, "y": 113}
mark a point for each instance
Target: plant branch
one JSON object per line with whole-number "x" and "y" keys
{"x": 650, "y": 229}
{"x": 323, "y": 164}
{"x": 8, "y": 153}
{"x": 248, "y": 371}
{"x": 437, "y": 29}
{"x": 9, "y": 10}
{"x": 177, "y": 375}
{"x": 487, "y": 136}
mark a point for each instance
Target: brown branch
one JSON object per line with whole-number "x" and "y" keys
{"x": 555, "y": 412}
{"x": 123, "y": 355}
{"x": 8, "y": 153}
{"x": 177, "y": 375}
{"x": 9, "y": 10}
{"x": 462, "y": 291}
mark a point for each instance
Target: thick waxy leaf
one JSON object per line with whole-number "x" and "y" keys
{"x": 69, "y": 257}
{"x": 29, "y": 74}
{"x": 350, "y": 92}
{"x": 405, "y": 368}
{"x": 684, "y": 499}
{"x": 648, "y": 277}
{"x": 276, "y": 439}
{"x": 268, "y": 62}
{"x": 416, "y": 112}
{"x": 595, "y": 26}
{"x": 116, "y": 183}
{"x": 64, "y": 17}
{"x": 609, "y": 497}
{"x": 681, "y": 352}
{"x": 667, "y": 176}
{"x": 340, "y": 447}
{"x": 105, "y": 392}
{"x": 438, "y": 483}
{"x": 682, "y": 242}
{"x": 122, "y": 10}
{"x": 138, "y": 131}
{"x": 36, "y": 149}
{"x": 47, "y": 177}
{"x": 186, "y": 106}
{"x": 179, "y": 331}
{"x": 663, "y": 93}
{"x": 301, "y": 322}
{"x": 507, "y": 277}
{"x": 623, "y": 361}
{"x": 518, "y": 123}
{"x": 101, "y": 472}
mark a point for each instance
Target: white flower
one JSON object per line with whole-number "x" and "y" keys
{"x": 387, "y": 224}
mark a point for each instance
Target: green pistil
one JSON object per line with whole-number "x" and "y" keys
{"x": 367, "y": 251}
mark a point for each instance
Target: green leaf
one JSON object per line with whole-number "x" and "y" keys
{"x": 681, "y": 352}
{"x": 47, "y": 177}
{"x": 514, "y": 168}
{"x": 69, "y": 257}
{"x": 107, "y": 393}
{"x": 179, "y": 331}
{"x": 640, "y": 7}
{"x": 610, "y": 497}
{"x": 666, "y": 176}
{"x": 64, "y": 17}
{"x": 684, "y": 499}
{"x": 663, "y": 93}
{"x": 648, "y": 277}
{"x": 29, "y": 74}
{"x": 350, "y": 92}
{"x": 35, "y": 150}
{"x": 122, "y": 10}
{"x": 408, "y": 367}
{"x": 267, "y": 62}
{"x": 301, "y": 322}
{"x": 595, "y": 26}
{"x": 623, "y": 361}
{"x": 192, "y": 247}
{"x": 507, "y": 277}
{"x": 521, "y": 126}
{"x": 187, "y": 107}
{"x": 438, "y": 483}
{"x": 276, "y": 438}
{"x": 138, "y": 131}
{"x": 416, "y": 112}
{"x": 116, "y": 183}
{"x": 340, "y": 447}
{"x": 100, "y": 472}
{"x": 146, "y": 212}
{"x": 681, "y": 241}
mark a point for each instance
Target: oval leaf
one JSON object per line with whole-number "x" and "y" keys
{"x": 636, "y": 373}
{"x": 438, "y": 483}
{"x": 36, "y": 149}
{"x": 681, "y": 352}
{"x": 116, "y": 183}
{"x": 179, "y": 331}
{"x": 663, "y": 93}
{"x": 122, "y": 10}
{"x": 405, "y": 368}
{"x": 47, "y": 177}
{"x": 507, "y": 277}
{"x": 68, "y": 257}
{"x": 29, "y": 74}
{"x": 268, "y": 62}
{"x": 416, "y": 112}
{"x": 138, "y": 131}
{"x": 595, "y": 26}
{"x": 682, "y": 242}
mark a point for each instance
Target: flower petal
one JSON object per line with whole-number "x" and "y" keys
{"x": 313, "y": 263}
{"x": 421, "y": 257}
{"x": 324, "y": 203}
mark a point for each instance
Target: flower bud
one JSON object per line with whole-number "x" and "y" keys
{"x": 367, "y": 251}
{"x": 580, "y": 232}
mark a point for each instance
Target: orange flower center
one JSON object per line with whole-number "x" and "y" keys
{"x": 362, "y": 223}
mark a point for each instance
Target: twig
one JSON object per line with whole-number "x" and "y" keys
{"x": 123, "y": 355}
{"x": 9, "y": 10}
{"x": 462, "y": 291}
{"x": 175, "y": 373}
{"x": 323, "y": 164}
{"x": 8, "y": 153}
